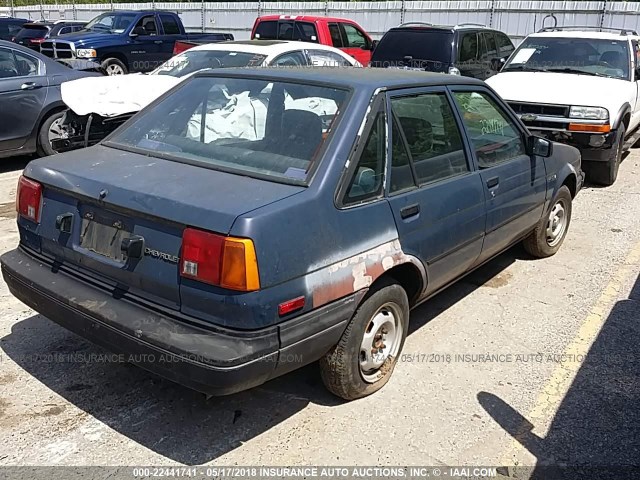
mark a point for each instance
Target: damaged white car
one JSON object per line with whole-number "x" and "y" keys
{"x": 97, "y": 106}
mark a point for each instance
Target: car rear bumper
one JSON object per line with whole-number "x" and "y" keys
{"x": 594, "y": 147}
{"x": 205, "y": 358}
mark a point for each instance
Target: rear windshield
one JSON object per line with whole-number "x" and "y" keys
{"x": 32, "y": 31}
{"x": 262, "y": 128}
{"x": 430, "y": 45}
{"x": 193, "y": 60}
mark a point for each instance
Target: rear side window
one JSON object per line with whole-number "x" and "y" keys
{"x": 432, "y": 136}
{"x": 336, "y": 36}
{"x": 32, "y": 32}
{"x": 489, "y": 43}
{"x": 355, "y": 38}
{"x": 267, "y": 30}
{"x": 324, "y": 58}
{"x": 419, "y": 44}
{"x": 305, "y": 32}
{"x": 169, "y": 24}
{"x": 468, "y": 47}
{"x": 8, "y": 67}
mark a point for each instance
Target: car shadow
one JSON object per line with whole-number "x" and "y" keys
{"x": 171, "y": 420}
{"x": 595, "y": 432}
{"x": 12, "y": 164}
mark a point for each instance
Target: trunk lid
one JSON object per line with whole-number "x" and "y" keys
{"x": 113, "y": 196}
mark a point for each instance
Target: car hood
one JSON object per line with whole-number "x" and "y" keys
{"x": 110, "y": 96}
{"x": 563, "y": 89}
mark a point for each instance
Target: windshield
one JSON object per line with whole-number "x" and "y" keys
{"x": 588, "y": 56}
{"x": 403, "y": 47}
{"x": 111, "y": 22}
{"x": 248, "y": 126}
{"x": 194, "y": 60}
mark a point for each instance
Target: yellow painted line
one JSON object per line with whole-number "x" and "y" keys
{"x": 551, "y": 396}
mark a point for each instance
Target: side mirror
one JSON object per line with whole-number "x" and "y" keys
{"x": 539, "y": 146}
{"x": 497, "y": 64}
{"x": 138, "y": 31}
{"x": 374, "y": 44}
{"x": 637, "y": 74}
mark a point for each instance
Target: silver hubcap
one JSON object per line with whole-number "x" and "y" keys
{"x": 114, "y": 69}
{"x": 380, "y": 342}
{"x": 557, "y": 223}
{"x": 56, "y": 131}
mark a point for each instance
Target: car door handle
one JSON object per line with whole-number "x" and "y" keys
{"x": 157, "y": 42}
{"x": 410, "y": 211}
{"x": 29, "y": 86}
{"x": 493, "y": 182}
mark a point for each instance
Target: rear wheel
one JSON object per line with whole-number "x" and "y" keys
{"x": 606, "y": 173}
{"x": 364, "y": 359}
{"x": 547, "y": 237}
{"x": 113, "y": 66}
{"x": 51, "y": 129}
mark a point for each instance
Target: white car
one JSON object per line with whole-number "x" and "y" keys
{"x": 99, "y": 105}
{"x": 579, "y": 87}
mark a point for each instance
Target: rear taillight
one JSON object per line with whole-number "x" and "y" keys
{"x": 227, "y": 262}
{"x": 37, "y": 40}
{"x": 29, "y": 199}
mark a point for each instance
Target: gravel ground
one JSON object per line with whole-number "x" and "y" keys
{"x": 442, "y": 408}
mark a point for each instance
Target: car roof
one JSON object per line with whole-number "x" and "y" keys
{"x": 451, "y": 28}
{"x": 355, "y": 78}
{"x": 265, "y": 47}
{"x": 583, "y": 34}
{"x": 304, "y": 18}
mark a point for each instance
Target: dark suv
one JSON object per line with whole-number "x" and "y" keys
{"x": 9, "y": 27}
{"x": 33, "y": 34}
{"x": 471, "y": 50}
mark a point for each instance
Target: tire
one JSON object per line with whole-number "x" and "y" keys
{"x": 113, "y": 66}
{"x": 606, "y": 173}
{"x": 547, "y": 237}
{"x": 350, "y": 370}
{"x": 45, "y": 134}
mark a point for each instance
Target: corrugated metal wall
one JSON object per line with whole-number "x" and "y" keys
{"x": 517, "y": 18}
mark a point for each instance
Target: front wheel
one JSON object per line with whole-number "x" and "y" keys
{"x": 113, "y": 66}
{"x": 363, "y": 360}
{"x": 547, "y": 237}
{"x": 606, "y": 173}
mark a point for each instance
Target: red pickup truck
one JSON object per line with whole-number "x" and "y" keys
{"x": 340, "y": 33}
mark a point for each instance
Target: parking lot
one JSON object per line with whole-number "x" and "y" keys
{"x": 522, "y": 361}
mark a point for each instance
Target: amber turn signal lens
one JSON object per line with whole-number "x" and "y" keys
{"x": 586, "y": 127}
{"x": 239, "y": 265}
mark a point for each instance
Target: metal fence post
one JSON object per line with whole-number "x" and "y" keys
{"x": 13, "y": 11}
{"x": 326, "y": 8}
{"x": 202, "y": 15}
{"x": 493, "y": 9}
{"x": 73, "y": 9}
{"x": 604, "y": 12}
{"x": 259, "y": 8}
{"x": 402, "y": 11}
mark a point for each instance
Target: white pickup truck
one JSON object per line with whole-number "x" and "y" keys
{"x": 578, "y": 87}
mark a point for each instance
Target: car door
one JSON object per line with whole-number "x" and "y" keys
{"x": 435, "y": 193}
{"x": 170, "y": 31}
{"x": 145, "y": 48}
{"x": 355, "y": 43}
{"x": 23, "y": 92}
{"x": 514, "y": 182}
{"x": 468, "y": 54}
{"x": 489, "y": 51}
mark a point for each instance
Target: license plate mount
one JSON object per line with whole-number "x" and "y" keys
{"x": 104, "y": 237}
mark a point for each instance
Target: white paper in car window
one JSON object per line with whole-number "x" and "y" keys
{"x": 523, "y": 55}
